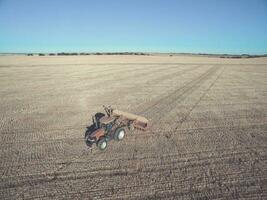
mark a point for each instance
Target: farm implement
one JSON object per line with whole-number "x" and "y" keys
{"x": 114, "y": 124}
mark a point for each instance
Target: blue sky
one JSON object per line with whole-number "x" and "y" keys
{"x": 207, "y": 26}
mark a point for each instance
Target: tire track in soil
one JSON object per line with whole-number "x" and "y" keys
{"x": 164, "y": 103}
{"x": 180, "y": 122}
{"x": 157, "y": 80}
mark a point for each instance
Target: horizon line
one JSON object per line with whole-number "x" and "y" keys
{"x": 133, "y": 52}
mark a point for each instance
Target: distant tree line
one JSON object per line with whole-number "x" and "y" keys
{"x": 242, "y": 56}
{"x": 102, "y": 53}
{"x": 97, "y": 53}
{"x": 146, "y": 54}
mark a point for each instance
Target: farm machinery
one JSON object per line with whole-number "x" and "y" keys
{"x": 114, "y": 124}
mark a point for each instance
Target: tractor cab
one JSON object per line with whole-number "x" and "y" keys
{"x": 107, "y": 122}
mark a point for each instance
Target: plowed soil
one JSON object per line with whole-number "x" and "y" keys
{"x": 207, "y": 140}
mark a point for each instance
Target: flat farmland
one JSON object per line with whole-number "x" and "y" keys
{"x": 207, "y": 140}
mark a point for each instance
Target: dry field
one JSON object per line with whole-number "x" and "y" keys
{"x": 208, "y": 139}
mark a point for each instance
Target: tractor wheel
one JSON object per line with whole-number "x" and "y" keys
{"x": 102, "y": 144}
{"x": 119, "y": 133}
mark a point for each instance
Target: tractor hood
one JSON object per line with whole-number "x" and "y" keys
{"x": 97, "y": 133}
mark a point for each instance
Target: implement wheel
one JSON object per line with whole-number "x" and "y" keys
{"x": 119, "y": 133}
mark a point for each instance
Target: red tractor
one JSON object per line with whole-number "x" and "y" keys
{"x": 113, "y": 125}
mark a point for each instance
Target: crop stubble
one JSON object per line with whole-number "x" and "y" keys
{"x": 208, "y": 138}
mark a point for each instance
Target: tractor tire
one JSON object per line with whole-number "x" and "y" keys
{"x": 102, "y": 144}
{"x": 119, "y": 133}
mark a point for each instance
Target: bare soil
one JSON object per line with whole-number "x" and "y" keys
{"x": 207, "y": 141}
